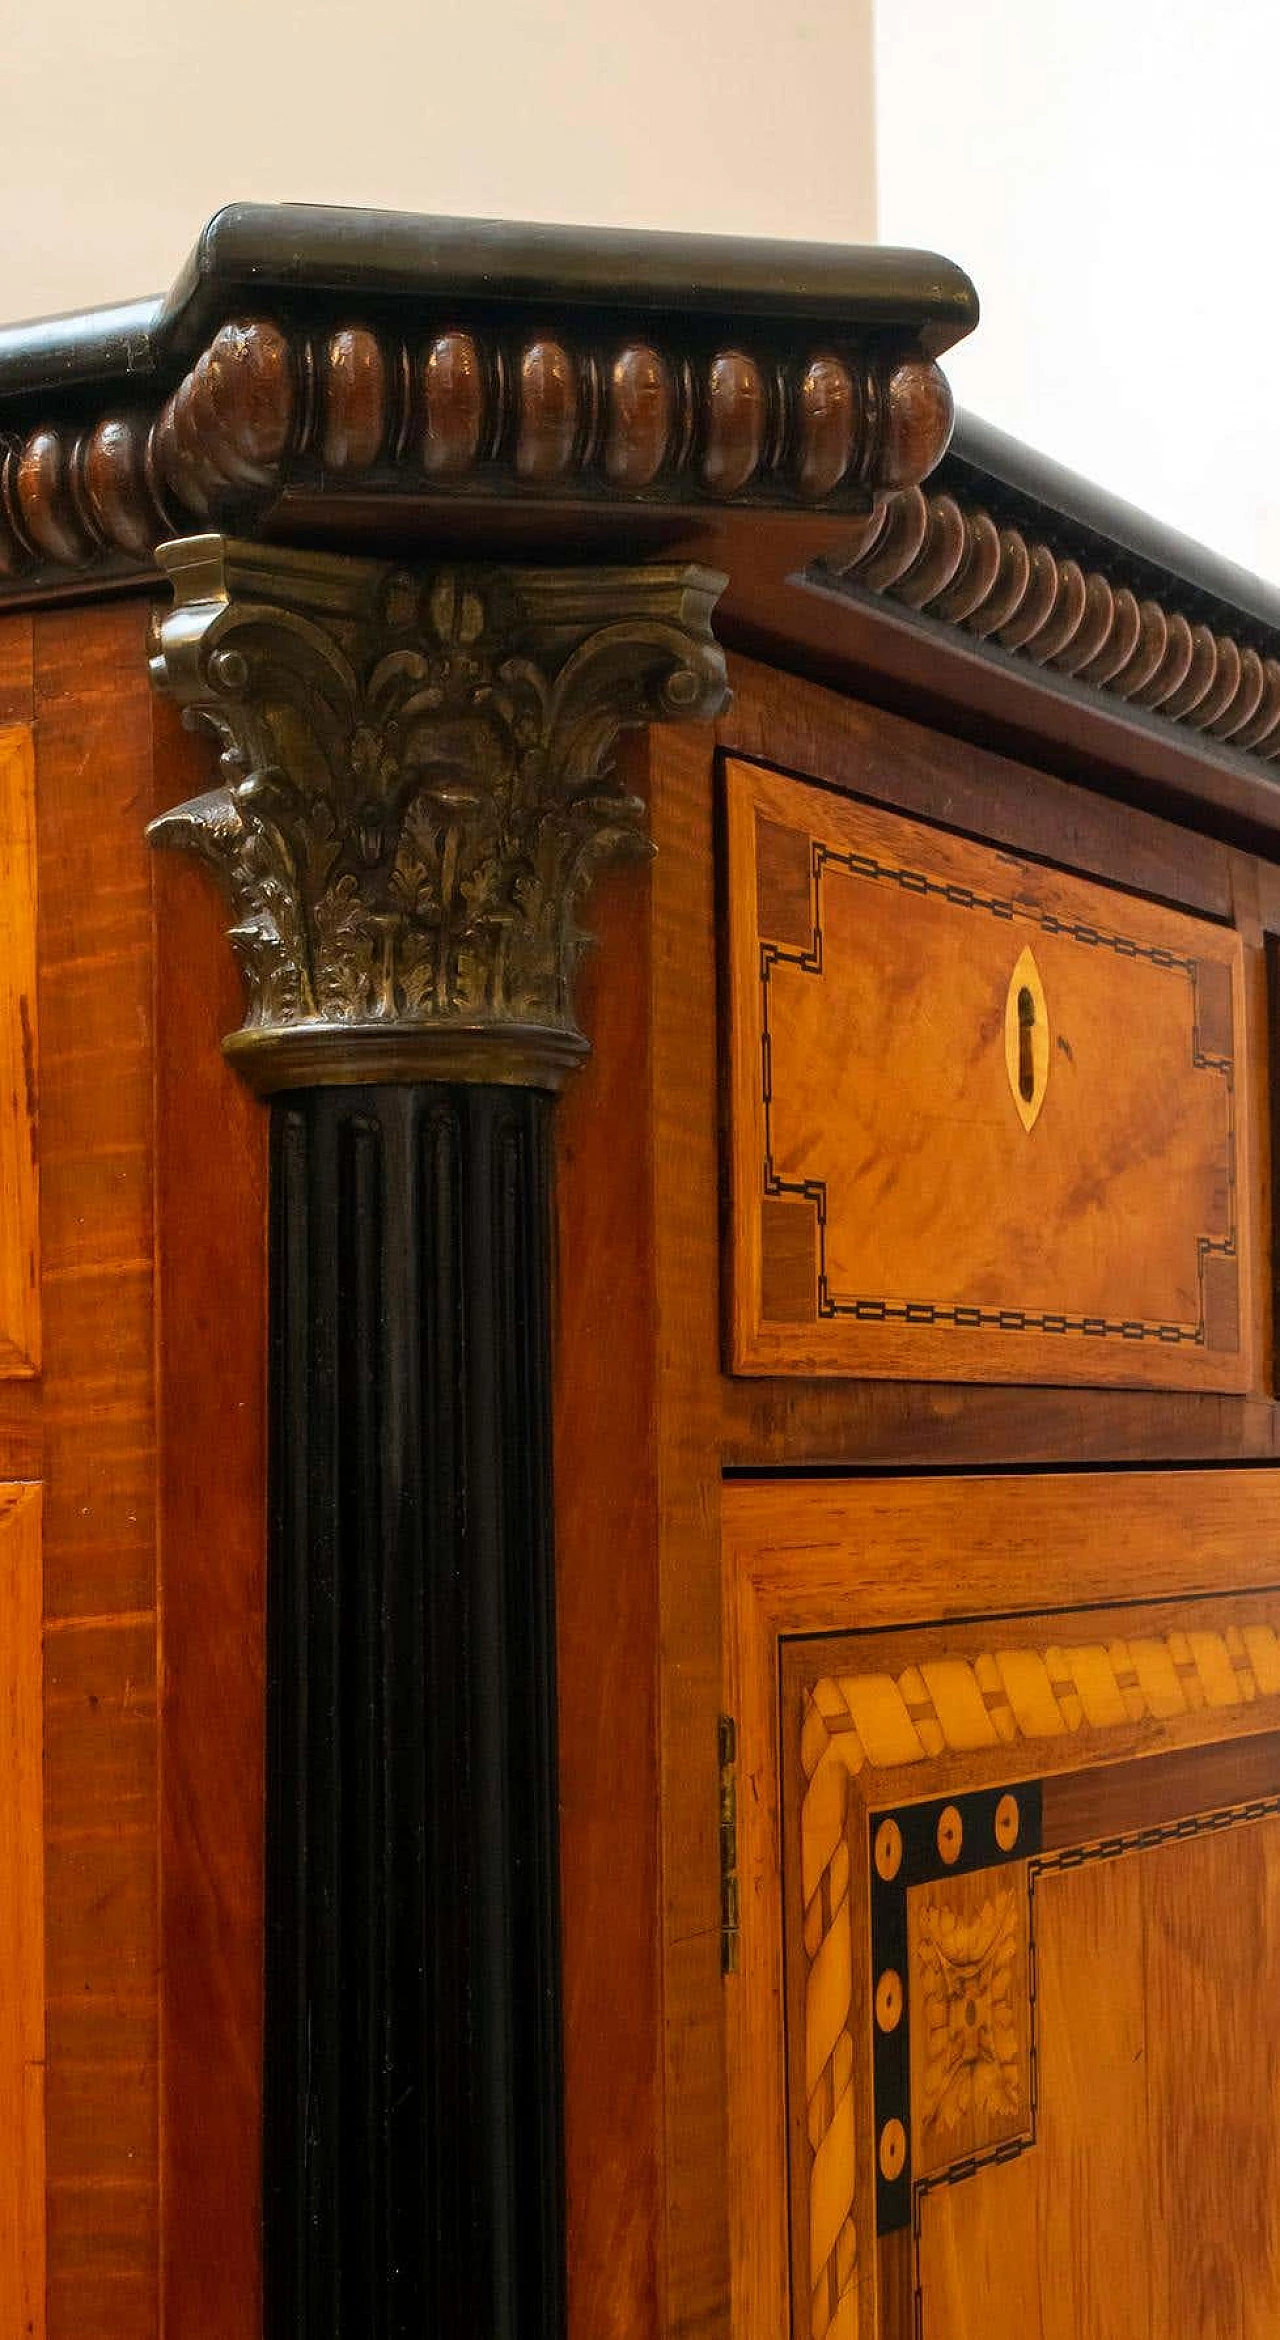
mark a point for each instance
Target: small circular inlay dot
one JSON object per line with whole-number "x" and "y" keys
{"x": 889, "y": 2000}
{"x": 888, "y": 1850}
{"x": 1008, "y": 1823}
{"x": 893, "y": 2150}
{"x": 950, "y": 1835}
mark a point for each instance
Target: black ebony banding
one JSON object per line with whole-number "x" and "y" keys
{"x": 412, "y": 2142}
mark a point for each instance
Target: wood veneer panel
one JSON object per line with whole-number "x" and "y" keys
{"x": 958, "y": 1683}
{"x": 19, "y": 1146}
{"x": 1005, "y": 1105}
{"x": 606, "y": 1536}
{"x": 849, "y": 745}
{"x": 770, "y": 1420}
{"x": 211, "y": 1173}
{"x": 700, "y": 2248}
{"x": 17, "y": 672}
{"x": 93, "y": 749}
{"x": 22, "y": 2162}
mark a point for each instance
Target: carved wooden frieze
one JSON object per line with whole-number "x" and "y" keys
{"x": 454, "y": 411}
{"x": 417, "y": 784}
{"x": 954, "y": 562}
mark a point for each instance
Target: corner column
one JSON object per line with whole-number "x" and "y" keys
{"x": 416, "y": 786}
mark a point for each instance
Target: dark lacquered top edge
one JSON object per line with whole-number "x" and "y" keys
{"x": 987, "y": 464}
{"x": 56, "y": 354}
{"x": 291, "y": 252}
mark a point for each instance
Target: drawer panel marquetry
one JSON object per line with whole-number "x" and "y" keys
{"x": 988, "y": 1119}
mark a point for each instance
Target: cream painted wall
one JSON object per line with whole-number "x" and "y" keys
{"x": 126, "y": 127}
{"x": 1109, "y": 173}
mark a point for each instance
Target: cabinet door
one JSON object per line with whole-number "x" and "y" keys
{"x": 1005, "y": 2046}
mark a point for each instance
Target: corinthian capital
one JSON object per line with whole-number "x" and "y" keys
{"x": 417, "y": 785}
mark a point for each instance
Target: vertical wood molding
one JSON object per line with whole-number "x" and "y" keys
{"x": 22, "y": 2056}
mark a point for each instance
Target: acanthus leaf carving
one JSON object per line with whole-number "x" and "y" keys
{"x": 417, "y": 786}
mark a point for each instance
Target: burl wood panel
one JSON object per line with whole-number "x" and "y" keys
{"x": 988, "y": 1119}
{"x": 1017, "y": 1981}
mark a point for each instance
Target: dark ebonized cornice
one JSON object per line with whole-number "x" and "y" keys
{"x": 342, "y": 373}
{"x": 379, "y": 382}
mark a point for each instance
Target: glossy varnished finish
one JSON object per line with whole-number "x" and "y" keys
{"x": 496, "y": 363}
{"x": 22, "y": 2058}
{"x": 1159, "y": 1636}
{"x": 989, "y": 1122}
{"x": 93, "y": 744}
{"x": 211, "y": 1258}
{"x": 19, "y": 1058}
{"x": 150, "y": 1476}
{"x": 412, "y": 2140}
{"x": 669, "y": 1417}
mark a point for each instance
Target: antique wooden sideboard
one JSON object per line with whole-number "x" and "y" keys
{"x": 639, "y": 1584}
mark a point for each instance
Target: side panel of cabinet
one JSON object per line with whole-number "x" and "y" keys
{"x": 22, "y": 2112}
{"x": 130, "y": 1838}
{"x": 1009, "y": 1803}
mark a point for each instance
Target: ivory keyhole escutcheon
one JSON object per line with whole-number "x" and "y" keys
{"x": 1026, "y": 1039}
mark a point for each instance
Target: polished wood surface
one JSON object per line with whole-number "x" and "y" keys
{"x": 22, "y": 2043}
{"x": 641, "y": 1449}
{"x": 133, "y": 1917}
{"x": 912, "y": 1752}
{"x": 211, "y": 1183}
{"x": 679, "y": 2217}
{"x": 19, "y": 1158}
{"x": 987, "y": 1119}
{"x": 93, "y": 744}
{"x": 951, "y": 560}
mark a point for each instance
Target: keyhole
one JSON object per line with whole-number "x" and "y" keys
{"x": 1026, "y": 1052}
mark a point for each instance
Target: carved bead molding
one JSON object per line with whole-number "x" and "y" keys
{"x": 958, "y": 564}
{"x": 452, "y": 412}
{"x": 417, "y": 786}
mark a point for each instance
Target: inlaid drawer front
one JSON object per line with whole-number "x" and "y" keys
{"x": 19, "y": 1191}
{"x": 988, "y": 1119}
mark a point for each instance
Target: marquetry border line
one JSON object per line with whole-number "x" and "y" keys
{"x": 956, "y": 1315}
{"x": 956, "y": 564}
{"x": 957, "y": 1704}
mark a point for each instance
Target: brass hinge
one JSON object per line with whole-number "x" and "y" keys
{"x": 728, "y": 1846}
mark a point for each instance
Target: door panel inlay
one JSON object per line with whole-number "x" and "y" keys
{"x": 1028, "y": 1924}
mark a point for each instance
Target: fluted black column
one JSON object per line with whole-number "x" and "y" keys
{"x": 413, "y": 2120}
{"x": 418, "y": 777}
